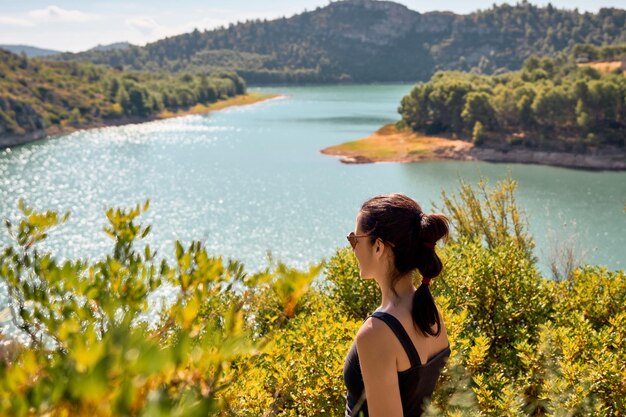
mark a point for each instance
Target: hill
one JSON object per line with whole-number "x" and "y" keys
{"x": 39, "y": 97}
{"x": 109, "y": 47}
{"x": 30, "y": 51}
{"x": 369, "y": 41}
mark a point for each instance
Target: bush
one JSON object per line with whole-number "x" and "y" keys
{"x": 355, "y": 296}
{"x": 89, "y": 351}
{"x": 478, "y": 134}
{"x": 300, "y": 374}
{"x": 273, "y": 344}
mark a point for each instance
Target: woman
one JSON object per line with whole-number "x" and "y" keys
{"x": 398, "y": 353}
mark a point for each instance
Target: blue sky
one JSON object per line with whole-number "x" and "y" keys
{"x": 72, "y": 25}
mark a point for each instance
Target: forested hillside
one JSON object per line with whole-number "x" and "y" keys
{"x": 365, "y": 40}
{"x": 30, "y": 51}
{"x": 36, "y": 94}
{"x": 549, "y": 104}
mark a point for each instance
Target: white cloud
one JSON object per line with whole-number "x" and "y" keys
{"x": 15, "y": 21}
{"x": 145, "y": 25}
{"x": 150, "y": 30}
{"x": 57, "y": 14}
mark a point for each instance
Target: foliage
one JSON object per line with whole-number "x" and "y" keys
{"x": 37, "y": 94}
{"x": 547, "y": 98}
{"x": 587, "y": 52}
{"x": 300, "y": 373}
{"x": 478, "y": 133}
{"x": 356, "y": 297}
{"x": 490, "y": 215}
{"x": 366, "y": 41}
{"x": 272, "y": 343}
{"x": 90, "y": 350}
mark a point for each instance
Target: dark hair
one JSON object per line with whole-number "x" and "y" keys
{"x": 412, "y": 234}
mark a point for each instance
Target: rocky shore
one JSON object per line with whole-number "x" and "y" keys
{"x": 389, "y": 144}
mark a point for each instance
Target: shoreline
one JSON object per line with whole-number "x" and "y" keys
{"x": 389, "y": 144}
{"x": 249, "y": 99}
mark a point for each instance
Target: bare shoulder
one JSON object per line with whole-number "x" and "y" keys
{"x": 374, "y": 334}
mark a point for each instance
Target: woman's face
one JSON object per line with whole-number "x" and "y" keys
{"x": 368, "y": 255}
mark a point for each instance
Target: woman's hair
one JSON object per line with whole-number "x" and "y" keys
{"x": 412, "y": 234}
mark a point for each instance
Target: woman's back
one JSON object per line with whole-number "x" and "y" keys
{"x": 417, "y": 373}
{"x": 426, "y": 346}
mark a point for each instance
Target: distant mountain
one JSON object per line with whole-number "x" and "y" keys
{"x": 367, "y": 41}
{"x": 117, "y": 45}
{"x": 30, "y": 51}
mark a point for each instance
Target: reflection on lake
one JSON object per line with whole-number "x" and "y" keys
{"x": 251, "y": 179}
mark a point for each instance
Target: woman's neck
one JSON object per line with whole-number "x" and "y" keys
{"x": 403, "y": 295}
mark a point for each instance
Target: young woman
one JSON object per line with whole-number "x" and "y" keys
{"x": 398, "y": 353}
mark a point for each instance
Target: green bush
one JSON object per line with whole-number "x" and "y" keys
{"x": 478, "y": 134}
{"x": 89, "y": 352}
{"x": 300, "y": 373}
{"x": 356, "y": 297}
{"x": 273, "y": 343}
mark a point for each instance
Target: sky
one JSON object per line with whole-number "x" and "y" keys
{"x": 76, "y": 25}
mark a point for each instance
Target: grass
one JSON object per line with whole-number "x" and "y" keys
{"x": 604, "y": 67}
{"x": 246, "y": 99}
{"x": 390, "y": 144}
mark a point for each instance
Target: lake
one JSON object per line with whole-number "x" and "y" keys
{"x": 250, "y": 180}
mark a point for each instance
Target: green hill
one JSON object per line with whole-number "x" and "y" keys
{"x": 30, "y": 51}
{"x": 367, "y": 41}
{"x": 37, "y": 95}
{"x": 549, "y": 104}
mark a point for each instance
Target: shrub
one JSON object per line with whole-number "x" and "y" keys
{"x": 89, "y": 350}
{"x": 273, "y": 344}
{"x": 355, "y": 296}
{"x": 478, "y": 134}
{"x": 300, "y": 373}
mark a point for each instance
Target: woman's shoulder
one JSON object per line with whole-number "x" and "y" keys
{"x": 372, "y": 341}
{"x": 373, "y": 331}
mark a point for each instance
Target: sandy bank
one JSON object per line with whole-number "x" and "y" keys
{"x": 389, "y": 144}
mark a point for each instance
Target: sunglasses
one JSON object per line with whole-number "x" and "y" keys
{"x": 353, "y": 238}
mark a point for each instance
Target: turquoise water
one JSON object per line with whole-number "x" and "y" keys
{"x": 250, "y": 180}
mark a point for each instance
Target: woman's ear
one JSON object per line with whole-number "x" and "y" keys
{"x": 379, "y": 247}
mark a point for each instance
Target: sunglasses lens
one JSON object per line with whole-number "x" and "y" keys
{"x": 352, "y": 239}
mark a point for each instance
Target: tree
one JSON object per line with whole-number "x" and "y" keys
{"x": 478, "y": 109}
{"x": 114, "y": 87}
{"x": 414, "y": 107}
{"x": 203, "y": 89}
{"x": 124, "y": 100}
{"x": 551, "y": 107}
{"x": 583, "y": 120}
{"x": 478, "y": 133}
{"x": 524, "y": 107}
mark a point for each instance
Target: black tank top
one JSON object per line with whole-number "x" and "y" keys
{"x": 416, "y": 383}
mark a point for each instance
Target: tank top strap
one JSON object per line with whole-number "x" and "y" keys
{"x": 395, "y": 325}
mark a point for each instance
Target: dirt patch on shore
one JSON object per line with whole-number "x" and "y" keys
{"x": 390, "y": 144}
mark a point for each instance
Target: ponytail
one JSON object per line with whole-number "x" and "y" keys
{"x": 399, "y": 220}
{"x": 425, "y": 315}
{"x": 424, "y": 312}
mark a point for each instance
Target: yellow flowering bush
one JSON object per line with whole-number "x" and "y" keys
{"x": 272, "y": 343}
